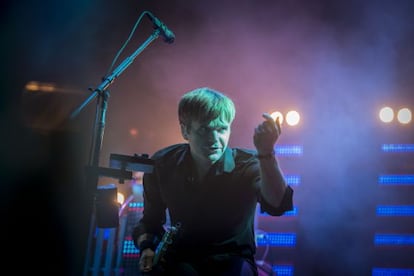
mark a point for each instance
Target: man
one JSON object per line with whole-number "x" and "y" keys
{"x": 211, "y": 191}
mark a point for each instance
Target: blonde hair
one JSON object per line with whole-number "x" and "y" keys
{"x": 205, "y": 104}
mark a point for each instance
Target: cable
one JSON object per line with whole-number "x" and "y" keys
{"x": 126, "y": 42}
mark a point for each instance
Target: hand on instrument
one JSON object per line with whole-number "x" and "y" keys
{"x": 146, "y": 260}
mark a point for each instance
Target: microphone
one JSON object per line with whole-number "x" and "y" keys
{"x": 165, "y": 32}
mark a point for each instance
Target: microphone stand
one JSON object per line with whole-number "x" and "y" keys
{"x": 99, "y": 126}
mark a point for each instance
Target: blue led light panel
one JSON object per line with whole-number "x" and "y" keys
{"x": 129, "y": 248}
{"x": 396, "y": 179}
{"x": 289, "y": 150}
{"x": 277, "y": 239}
{"x": 397, "y": 147}
{"x": 394, "y": 239}
{"x": 395, "y": 210}
{"x": 136, "y": 204}
{"x": 283, "y": 270}
{"x": 377, "y": 271}
{"x": 293, "y": 180}
{"x": 294, "y": 212}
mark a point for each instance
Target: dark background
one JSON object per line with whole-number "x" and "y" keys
{"x": 337, "y": 62}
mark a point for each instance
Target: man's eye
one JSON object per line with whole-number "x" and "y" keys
{"x": 203, "y": 129}
{"x": 222, "y": 129}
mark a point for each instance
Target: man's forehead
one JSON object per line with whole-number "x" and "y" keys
{"x": 219, "y": 121}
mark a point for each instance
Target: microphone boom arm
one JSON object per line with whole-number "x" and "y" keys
{"x": 116, "y": 73}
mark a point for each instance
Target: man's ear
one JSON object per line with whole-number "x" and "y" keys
{"x": 184, "y": 131}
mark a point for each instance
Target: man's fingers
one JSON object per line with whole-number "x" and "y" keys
{"x": 267, "y": 116}
{"x": 269, "y": 125}
{"x": 278, "y": 127}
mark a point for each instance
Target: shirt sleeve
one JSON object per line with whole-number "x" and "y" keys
{"x": 285, "y": 205}
{"x": 154, "y": 214}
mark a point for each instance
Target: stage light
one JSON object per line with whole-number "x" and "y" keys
{"x": 276, "y": 115}
{"x": 293, "y": 180}
{"x": 284, "y": 270}
{"x": 277, "y": 239}
{"x": 291, "y": 213}
{"x": 133, "y": 132}
{"x": 34, "y": 86}
{"x": 128, "y": 249}
{"x": 395, "y": 179}
{"x": 120, "y": 198}
{"x": 395, "y": 210}
{"x": 386, "y": 114}
{"x": 292, "y": 118}
{"x": 380, "y": 271}
{"x": 393, "y": 239}
{"x": 289, "y": 150}
{"x": 404, "y": 116}
{"x": 397, "y": 147}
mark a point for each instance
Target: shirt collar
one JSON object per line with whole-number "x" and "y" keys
{"x": 227, "y": 160}
{"x": 225, "y": 165}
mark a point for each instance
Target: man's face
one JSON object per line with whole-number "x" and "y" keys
{"x": 208, "y": 140}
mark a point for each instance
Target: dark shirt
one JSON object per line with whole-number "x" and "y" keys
{"x": 217, "y": 213}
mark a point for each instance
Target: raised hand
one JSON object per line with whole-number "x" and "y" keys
{"x": 266, "y": 135}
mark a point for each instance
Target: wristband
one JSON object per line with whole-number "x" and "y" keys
{"x": 266, "y": 156}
